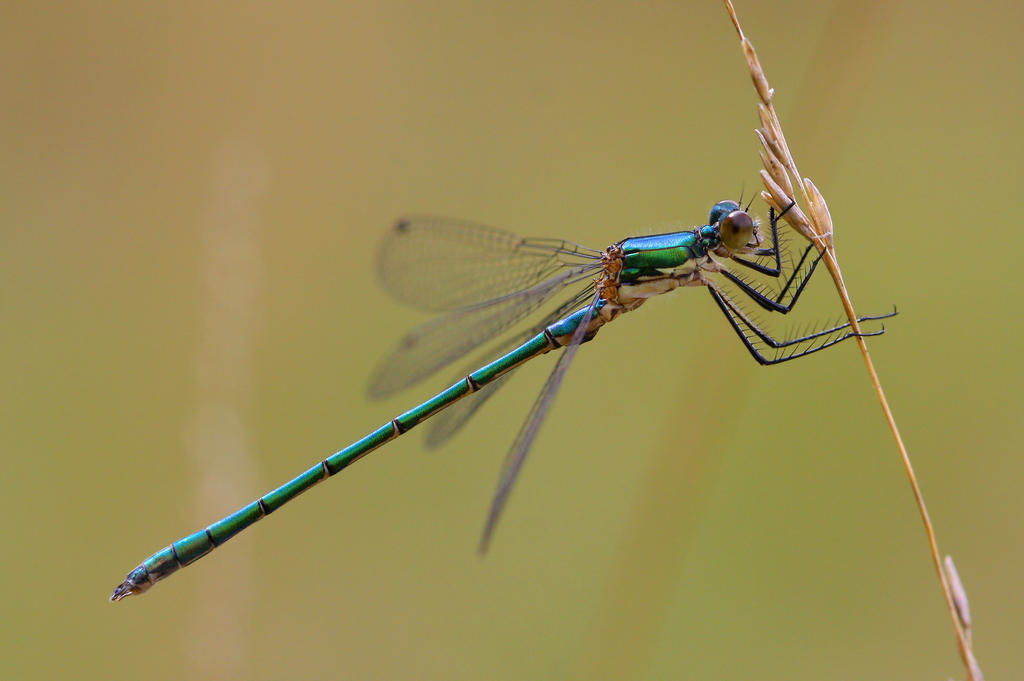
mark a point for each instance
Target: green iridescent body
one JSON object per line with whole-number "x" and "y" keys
{"x": 647, "y": 256}
{"x": 628, "y": 273}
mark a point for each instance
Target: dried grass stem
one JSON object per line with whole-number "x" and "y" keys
{"x": 816, "y": 225}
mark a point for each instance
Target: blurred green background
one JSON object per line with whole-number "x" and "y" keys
{"x": 191, "y": 199}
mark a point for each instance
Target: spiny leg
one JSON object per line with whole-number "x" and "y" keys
{"x": 742, "y": 324}
{"x": 775, "y": 304}
{"x": 798, "y": 277}
{"x": 773, "y": 220}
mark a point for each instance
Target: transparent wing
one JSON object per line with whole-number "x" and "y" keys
{"x": 441, "y": 264}
{"x": 440, "y": 342}
{"x": 443, "y": 426}
{"x": 516, "y": 456}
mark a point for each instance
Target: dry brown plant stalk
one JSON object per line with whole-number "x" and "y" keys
{"x": 815, "y": 224}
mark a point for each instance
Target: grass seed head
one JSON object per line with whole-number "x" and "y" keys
{"x": 779, "y": 199}
{"x": 773, "y": 165}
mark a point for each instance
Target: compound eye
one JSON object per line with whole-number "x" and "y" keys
{"x": 737, "y": 229}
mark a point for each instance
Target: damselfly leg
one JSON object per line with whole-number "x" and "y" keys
{"x": 794, "y": 283}
{"x": 753, "y": 336}
{"x": 764, "y": 347}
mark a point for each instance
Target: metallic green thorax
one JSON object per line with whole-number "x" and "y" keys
{"x": 647, "y": 256}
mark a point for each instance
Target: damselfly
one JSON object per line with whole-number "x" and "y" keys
{"x": 489, "y": 281}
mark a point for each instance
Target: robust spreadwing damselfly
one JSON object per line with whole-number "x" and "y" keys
{"x": 533, "y": 296}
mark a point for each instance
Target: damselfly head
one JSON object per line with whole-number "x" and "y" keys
{"x": 736, "y": 228}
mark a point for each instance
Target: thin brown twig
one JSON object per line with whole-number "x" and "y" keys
{"x": 816, "y": 225}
